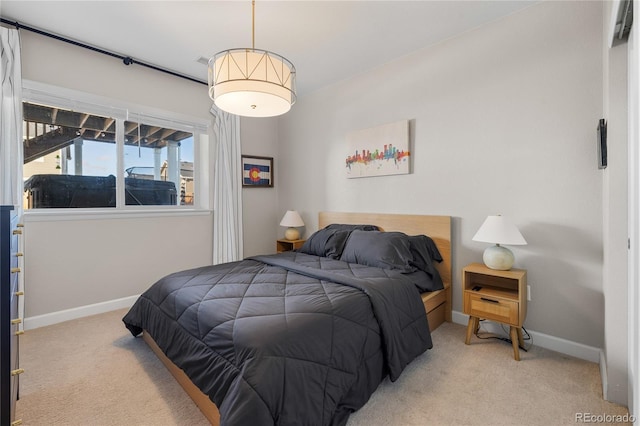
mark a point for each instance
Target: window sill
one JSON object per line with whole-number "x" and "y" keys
{"x": 49, "y": 215}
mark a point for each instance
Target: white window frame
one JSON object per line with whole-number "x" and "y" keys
{"x": 93, "y": 104}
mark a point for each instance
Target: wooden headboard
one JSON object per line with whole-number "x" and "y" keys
{"x": 436, "y": 227}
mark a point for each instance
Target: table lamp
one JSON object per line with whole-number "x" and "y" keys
{"x": 498, "y": 230}
{"x": 292, "y": 219}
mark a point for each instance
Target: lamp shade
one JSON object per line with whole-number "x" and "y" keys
{"x": 291, "y": 218}
{"x": 252, "y": 82}
{"x": 499, "y": 230}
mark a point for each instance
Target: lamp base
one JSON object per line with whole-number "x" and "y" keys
{"x": 292, "y": 234}
{"x": 498, "y": 258}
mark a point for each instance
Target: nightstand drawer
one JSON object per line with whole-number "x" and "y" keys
{"x": 491, "y": 308}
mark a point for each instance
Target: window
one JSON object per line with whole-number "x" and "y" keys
{"x": 69, "y": 158}
{"x": 158, "y": 164}
{"x": 78, "y": 156}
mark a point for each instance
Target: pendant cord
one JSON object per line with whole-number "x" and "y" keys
{"x": 253, "y": 24}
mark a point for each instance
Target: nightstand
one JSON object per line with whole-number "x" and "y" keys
{"x": 288, "y": 245}
{"x": 499, "y": 296}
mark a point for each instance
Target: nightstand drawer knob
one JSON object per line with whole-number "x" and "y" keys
{"x": 489, "y": 300}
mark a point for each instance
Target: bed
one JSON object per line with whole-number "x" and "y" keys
{"x": 302, "y": 337}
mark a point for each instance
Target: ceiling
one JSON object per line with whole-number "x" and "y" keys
{"x": 327, "y": 41}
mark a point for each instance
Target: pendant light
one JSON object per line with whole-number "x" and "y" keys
{"x": 252, "y": 82}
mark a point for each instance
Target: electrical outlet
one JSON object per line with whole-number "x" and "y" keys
{"x": 528, "y": 293}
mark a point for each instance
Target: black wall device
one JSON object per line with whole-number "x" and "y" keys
{"x": 602, "y": 144}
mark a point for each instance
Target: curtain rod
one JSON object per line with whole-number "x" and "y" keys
{"x": 127, "y": 60}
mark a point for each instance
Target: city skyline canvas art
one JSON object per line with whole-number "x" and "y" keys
{"x": 378, "y": 151}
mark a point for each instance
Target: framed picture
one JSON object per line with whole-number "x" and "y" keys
{"x": 257, "y": 171}
{"x": 378, "y": 151}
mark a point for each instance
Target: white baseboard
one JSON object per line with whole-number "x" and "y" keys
{"x": 567, "y": 347}
{"x": 81, "y": 311}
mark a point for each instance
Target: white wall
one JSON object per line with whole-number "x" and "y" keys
{"x": 502, "y": 121}
{"x": 69, "y": 264}
{"x": 74, "y": 263}
{"x": 260, "y": 213}
{"x": 49, "y": 61}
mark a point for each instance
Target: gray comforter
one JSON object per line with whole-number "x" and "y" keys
{"x": 286, "y": 339}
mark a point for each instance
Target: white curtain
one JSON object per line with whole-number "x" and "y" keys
{"x": 227, "y": 192}
{"x": 10, "y": 119}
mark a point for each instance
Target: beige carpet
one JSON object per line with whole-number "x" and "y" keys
{"x": 93, "y": 372}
